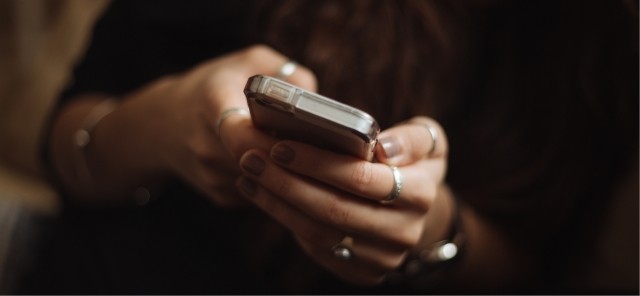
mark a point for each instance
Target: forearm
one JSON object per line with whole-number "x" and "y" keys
{"x": 111, "y": 166}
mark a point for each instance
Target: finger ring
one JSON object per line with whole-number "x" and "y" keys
{"x": 226, "y": 113}
{"x": 397, "y": 186}
{"x": 342, "y": 250}
{"x": 434, "y": 137}
{"x": 287, "y": 69}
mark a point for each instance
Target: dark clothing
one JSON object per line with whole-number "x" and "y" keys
{"x": 137, "y": 42}
{"x": 179, "y": 243}
{"x": 535, "y": 143}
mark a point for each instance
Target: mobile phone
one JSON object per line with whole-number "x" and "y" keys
{"x": 289, "y": 112}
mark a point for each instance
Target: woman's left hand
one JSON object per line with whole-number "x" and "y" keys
{"x": 324, "y": 197}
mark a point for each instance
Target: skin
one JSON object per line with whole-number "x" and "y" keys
{"x": 322, "y": 201}
{"x": 167, "y": 128}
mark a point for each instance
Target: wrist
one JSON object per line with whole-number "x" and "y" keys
{"x": 85, "y": 148}
{"x": 444, "y": 244}
{"x": 448, "y": 249}
{"x": 121, "y": 157}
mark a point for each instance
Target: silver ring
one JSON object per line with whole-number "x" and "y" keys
{"x": 287, "y": 69}
{"x": 342, "y": 250}
{"x": 226, "y": 113}
{"x": 397, "y": 186}
{"x": 434, "y": 137}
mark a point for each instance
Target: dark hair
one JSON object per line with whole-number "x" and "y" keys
{"x": 367, "y": 52}
{"x": 539, "y": 98}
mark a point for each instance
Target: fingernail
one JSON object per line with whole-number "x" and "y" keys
{"x": 247, "y": 187}
{"x": 282, "y": 153}
{"x": 390, "y": 146}
{"x": 253, "y": 164}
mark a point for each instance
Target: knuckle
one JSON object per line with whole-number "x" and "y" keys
{"x": 209, "y": 98}
{"x": 428, "y": 192}
{"x": 362, "y": 175}
{"x": 256, "y": 52}
{"x": 337, "y": 214}
{"x": 306, "y": 78}
{"x": 209, "y": 76}
{"x": 409, "y": 237}
{"x": 200, "y": 152}
{"x": 282, "y": 187}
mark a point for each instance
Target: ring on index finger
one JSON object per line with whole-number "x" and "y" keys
{"x": 227, "y": 113}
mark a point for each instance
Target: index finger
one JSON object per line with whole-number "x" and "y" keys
{"x": 237, "y": 132}
{"x": 236, "y": 68}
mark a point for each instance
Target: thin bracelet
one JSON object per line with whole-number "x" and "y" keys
{"x": 82, "y": 138}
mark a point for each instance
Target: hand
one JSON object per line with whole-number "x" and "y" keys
{"x": 322, "y": 197}
{"x": 169, "y": 126}
{"x": 190, "y": 107}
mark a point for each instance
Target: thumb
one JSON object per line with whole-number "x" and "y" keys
{"x": 418, "y": 138}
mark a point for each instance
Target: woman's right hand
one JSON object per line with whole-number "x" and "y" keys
{"x": 169, "y": 127}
